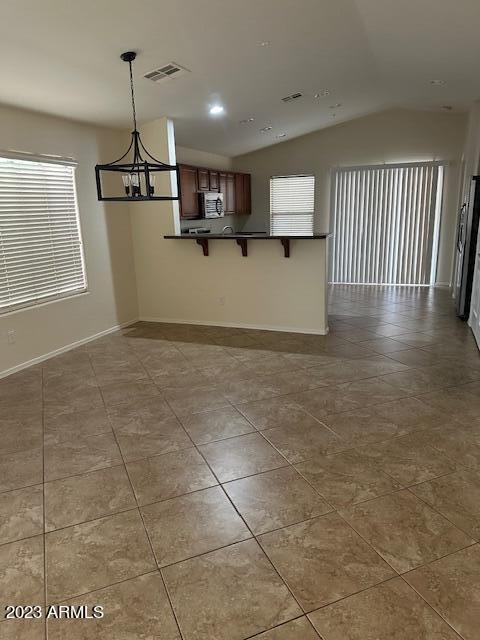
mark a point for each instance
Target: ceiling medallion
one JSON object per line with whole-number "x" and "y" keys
{"x": 137, "y": 167}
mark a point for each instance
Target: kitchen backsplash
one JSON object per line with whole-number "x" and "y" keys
{"x": 216, "y": 224}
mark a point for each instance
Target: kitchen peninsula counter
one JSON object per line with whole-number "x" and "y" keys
{"x": 279, "y": 285}
{"x": 242, "y": 239}
{"x": 246, "y": 236}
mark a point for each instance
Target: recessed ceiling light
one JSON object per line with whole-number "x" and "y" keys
{"x": 266, "y": 129}
{"x": 247, "y": 120}
{"x": 216, "y": 110}
{"x": 322, "y": 93}
{"x": 281, "y": 135}
{"x": 264, "y": 43}
{"x": 335, "y": 106}
{"x": 438, "y": 83}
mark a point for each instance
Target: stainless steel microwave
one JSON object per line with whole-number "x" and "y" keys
{"x": 212, "y": 204}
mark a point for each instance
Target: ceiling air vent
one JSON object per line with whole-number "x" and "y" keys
{"x": 294, "y": 96}
{"x": 170, "y": 70}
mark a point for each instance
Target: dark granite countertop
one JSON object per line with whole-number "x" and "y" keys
{"x": 244, "y": 236}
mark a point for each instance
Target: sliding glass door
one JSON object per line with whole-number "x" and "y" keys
{"x": 386, "y": 223}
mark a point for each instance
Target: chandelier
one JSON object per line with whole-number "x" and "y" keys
{"x": 137, "y": 167}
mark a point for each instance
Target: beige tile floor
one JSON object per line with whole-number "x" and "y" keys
{"x": 222, "y": 484}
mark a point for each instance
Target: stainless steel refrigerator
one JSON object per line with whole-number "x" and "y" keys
{"x": 467, "y": 232}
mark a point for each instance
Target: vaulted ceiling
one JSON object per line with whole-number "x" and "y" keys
{"x": 62, "y": 57}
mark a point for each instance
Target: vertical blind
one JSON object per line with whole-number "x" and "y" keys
{"x": 41, "y": 256}
{"x": 291, "y": 205}
{"x": 385, "y": 223}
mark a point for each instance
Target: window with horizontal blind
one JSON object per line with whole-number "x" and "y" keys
{"x": 41, "y": 254}
{"x": 291, "y": 205}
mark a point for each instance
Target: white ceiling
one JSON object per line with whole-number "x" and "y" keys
{"x": 62, "y": 57}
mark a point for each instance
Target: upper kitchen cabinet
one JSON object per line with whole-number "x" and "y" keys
{"x": 203, "y": 180}
{"x": 234, "y": 186}
{"x": 189, "y": 200}
{"x": 214, "y": 180}
{"x": 229, "y": 197}
{"x": 222, "y": 182}
{"x": 227, "y": 187}
{"x": 242, "y": 194}
{"x": 208, "y": 180}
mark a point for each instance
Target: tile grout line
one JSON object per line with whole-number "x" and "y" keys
{"x": 425, "y": 564}
{"x": 433, "y": 508}
{"x": 253, "y": 536}
{"x": 44, "y": 537}
{"x": 143, "y": 521}
{"x": 439, "y": 614}
{"x": 112, "y": 584}
{"x": 278, "y": 626}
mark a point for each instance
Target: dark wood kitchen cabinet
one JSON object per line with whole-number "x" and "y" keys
{"x": 227, "y": 187}
{"x": 222, "y": 181}
{"x": 229, "y": 195}
{"x": 234, "y": 186}
{"x": 247, "y": 194}
{"x": 242, "y": 194}
{"x": 203, "y": 180}
{"x": 214, "y": 183}
{"x": 189, "y": 200}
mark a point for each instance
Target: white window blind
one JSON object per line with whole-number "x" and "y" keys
{"x": 41, "y": 256}
{"x": 385, "y": 221}
{"x": 291, "y": 205}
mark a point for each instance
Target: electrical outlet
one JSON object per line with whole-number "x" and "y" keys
{"x": 221, "y": 301}
{"x": 11, "y": 336}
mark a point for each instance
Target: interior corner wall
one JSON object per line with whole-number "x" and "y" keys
{"x": 395, "y": 135}
{"x": 111, "y": 299}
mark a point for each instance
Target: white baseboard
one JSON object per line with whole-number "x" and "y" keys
{"x": 236, "y": 325}
{"x": 68, "y": 347}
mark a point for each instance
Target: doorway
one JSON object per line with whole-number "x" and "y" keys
{"x": 386, "y": 221}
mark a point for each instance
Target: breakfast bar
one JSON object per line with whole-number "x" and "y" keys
{"x": 243, "y": 238}
{"x": 247, "y": 282}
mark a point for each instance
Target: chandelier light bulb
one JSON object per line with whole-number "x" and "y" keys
{"x": 126, "y": 183}
{"x": 135, "y": 182}
{"x": 152, "y": 183}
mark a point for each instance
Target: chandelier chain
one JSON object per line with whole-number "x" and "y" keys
{"x": 133, "y": 96}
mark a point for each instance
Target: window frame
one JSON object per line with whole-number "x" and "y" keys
{"x": 61, "y": 296}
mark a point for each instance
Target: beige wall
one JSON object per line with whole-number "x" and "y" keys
{"x": 391, "y": 136}
{"x": 202, "y": 158}
{"x": 111, "y": 299}
{"x": 177, "y": 283}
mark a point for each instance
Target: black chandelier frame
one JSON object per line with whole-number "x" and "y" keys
{"x": 139, "y": 175}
